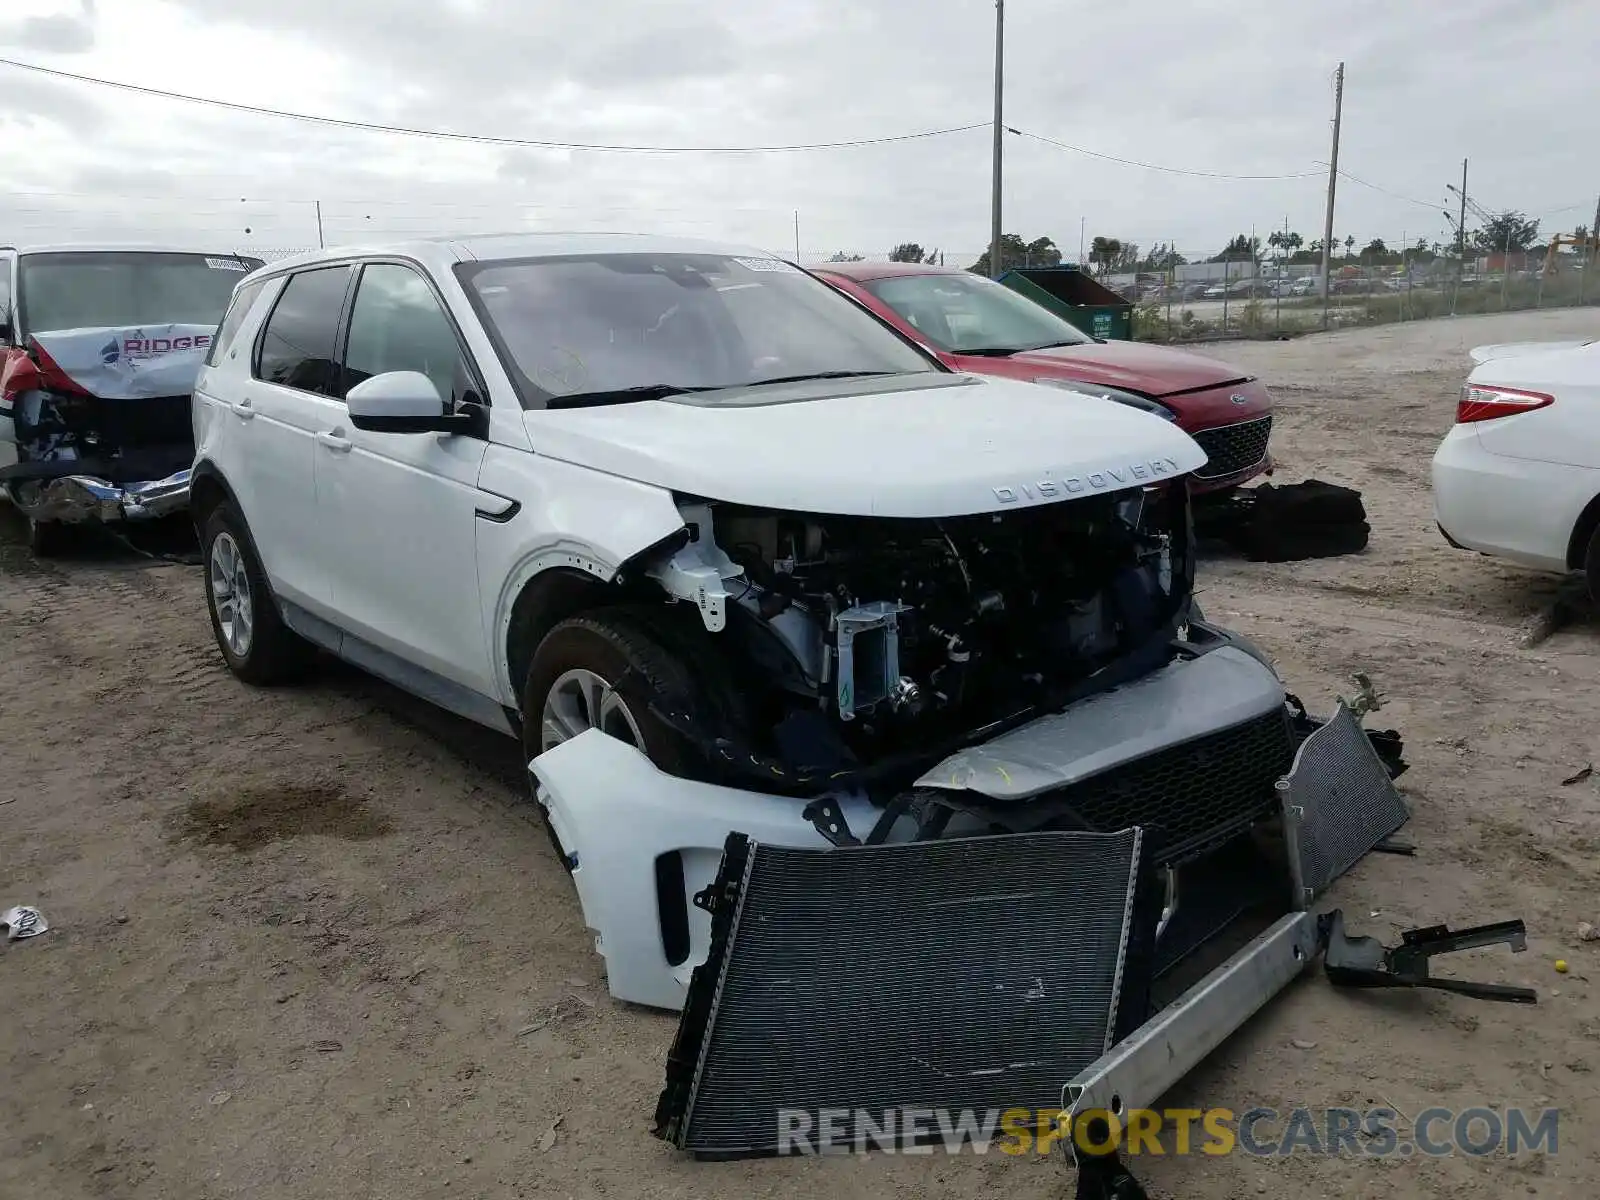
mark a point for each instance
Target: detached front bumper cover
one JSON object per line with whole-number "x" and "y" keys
{"x": 78, "y": 498}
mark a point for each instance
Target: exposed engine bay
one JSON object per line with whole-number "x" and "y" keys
{"x": 906, "y": 633}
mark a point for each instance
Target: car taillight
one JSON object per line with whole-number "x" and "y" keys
{"x": 1483, "y": 402}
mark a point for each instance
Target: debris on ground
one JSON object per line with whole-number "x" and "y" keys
{"x": 567, "y": 1008}
{"x": 1587, "y": 771}
{"x": 23, "y": 922}
{"x": 1289, "y": 522}
{"x": 1587, "y": 932}
{"x": 1570, "y": 606}
{"x": 547, "y": 1142}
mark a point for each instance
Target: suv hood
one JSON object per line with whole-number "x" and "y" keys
{"x": 123, "y": 363}
{"x": 903, "y": 446}
{"x": 1150, "y": 370}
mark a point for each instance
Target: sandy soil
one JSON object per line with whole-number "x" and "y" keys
{"x": 296, "y": 934}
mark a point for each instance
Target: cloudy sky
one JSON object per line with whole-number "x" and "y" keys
{"x": 1204, "y": 88}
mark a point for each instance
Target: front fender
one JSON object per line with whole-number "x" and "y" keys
{"x": 569, "y": 518}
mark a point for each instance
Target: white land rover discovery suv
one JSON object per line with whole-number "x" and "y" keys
{"x": 717, "y": 544}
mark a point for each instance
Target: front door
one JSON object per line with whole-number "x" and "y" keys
{"x": 404, "y": 506}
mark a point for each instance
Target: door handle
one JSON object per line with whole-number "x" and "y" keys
{"x": 336, "y": 441}
{"x": 242, "y": 410}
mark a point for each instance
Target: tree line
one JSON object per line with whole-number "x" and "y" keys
{"x": 1510, "y": 230}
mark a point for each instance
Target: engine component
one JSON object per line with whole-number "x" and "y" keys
{"x": 867, "y": 651}
{"x": 914, "y": 632}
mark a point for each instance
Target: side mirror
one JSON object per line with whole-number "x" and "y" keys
{"x": 401, "y": 402}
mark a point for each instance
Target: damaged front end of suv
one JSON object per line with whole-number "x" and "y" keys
{"x": 100, "y": 352}
{"x": 967, "y": 812}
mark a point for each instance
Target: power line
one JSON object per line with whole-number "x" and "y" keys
{"x": 1133, "y": 162}
{"x": 482, "y": 139}
{"x": 1343, "y": 174}
{"x": 184, "y": 200}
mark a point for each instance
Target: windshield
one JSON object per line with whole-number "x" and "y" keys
{"x": 630, "y": 326}
{"x": 100, "y": 289}
{"x": 966, "y": 313}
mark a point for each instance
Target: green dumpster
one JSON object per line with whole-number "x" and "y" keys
{"x": 1069, "y": 293}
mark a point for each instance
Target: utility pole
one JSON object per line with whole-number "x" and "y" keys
{"x": 797, "y": 237}
{"x": 1281, "y": 274}
{"x": 999, "y": 134}
{"x": 320, "y": 243}
{"x": 1594, "y": 235}
{"x": 1333, "y": 179}
{"x": 1461, "y": 240}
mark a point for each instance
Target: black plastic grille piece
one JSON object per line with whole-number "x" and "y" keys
{"x": 1234, "y": 448}
{"x": 968, "y": 974}
{"x": 1339, "y": 802}
{"x": 1213, "y": 892}
{"x": 1195, "y": 795}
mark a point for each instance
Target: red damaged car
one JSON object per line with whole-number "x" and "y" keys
{"x": 978, "y": 325}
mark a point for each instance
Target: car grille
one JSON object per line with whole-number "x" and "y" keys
{"x": 1190, "y": 797}
{"x": 1233, "y": 448}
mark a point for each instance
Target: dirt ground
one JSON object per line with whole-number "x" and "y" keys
{"x": 299, "y": 937}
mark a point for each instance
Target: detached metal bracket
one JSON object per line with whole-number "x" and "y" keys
{"x": 829, "y": 819}
{"x": 1365, "y": 962}
{"x": 1367, "y": 697}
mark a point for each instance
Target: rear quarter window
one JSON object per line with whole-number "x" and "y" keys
{"x": 298, "y": 347}
{"x": 243, "y": 301}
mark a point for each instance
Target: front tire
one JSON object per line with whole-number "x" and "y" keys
{"x": 606, "y": 671}
{"x": 572, "y": 686}
{"x": 254, "y": 641}
{"x": 46, "y": 539}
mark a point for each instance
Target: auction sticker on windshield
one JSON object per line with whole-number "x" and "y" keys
{"x": 225, "y": 264}
{"x": 763, "y": 264}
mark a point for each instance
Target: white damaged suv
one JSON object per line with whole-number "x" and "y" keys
{"x": 725, "y": 551}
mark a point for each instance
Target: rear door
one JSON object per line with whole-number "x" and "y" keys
{"x": 289, "y": 400}
{"x": 403, "y": 507}
{"x": 220, "y": 437}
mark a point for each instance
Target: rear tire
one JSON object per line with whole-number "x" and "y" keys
{"x": 255, "y": 643}
{"x": 1591, "y": 567}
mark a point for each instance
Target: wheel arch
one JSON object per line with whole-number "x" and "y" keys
{"x": 1578, "y": 545}
{"x": 566, "y": 589}
{"x": 208, "y": 487}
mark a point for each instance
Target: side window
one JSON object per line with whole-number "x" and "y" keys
{"x": 243, "y": 300}
{"x": 396, "y": 324}
{"x": 299, "y": 346}
{"x": 7, "y": 317}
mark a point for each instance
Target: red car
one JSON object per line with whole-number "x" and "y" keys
{"x": 978, "y": 325}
